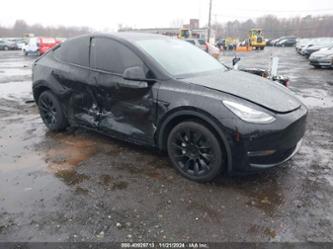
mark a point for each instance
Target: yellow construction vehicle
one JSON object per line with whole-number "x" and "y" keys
{"x": 256, "y": 39}
{"x": 184, "y": 33}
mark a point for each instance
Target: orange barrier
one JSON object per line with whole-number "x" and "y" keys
{"x": 244, "y": 49}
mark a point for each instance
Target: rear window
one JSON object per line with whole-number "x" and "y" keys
{"x": 74, "y": 51}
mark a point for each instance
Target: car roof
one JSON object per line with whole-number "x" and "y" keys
{"x": 131, "y": 36}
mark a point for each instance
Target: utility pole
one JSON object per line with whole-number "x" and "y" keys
{"x": 209, "y": 20}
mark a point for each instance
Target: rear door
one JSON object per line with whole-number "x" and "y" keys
{"x": 127, "y": 107}
{"x": 73, "y": 74}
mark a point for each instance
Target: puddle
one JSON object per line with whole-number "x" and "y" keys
{"x": 9, "y": 72}
{"x": 268, "y": 200}
{"x": 112, "y": 183}
{"x": 262, "y": 191}
{"x": 267, "y": 231}
{"x": 71, "y": 177}
{"x": 18, "y": 91}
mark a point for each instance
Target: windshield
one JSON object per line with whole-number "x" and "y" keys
{"x": 179, "y": 58}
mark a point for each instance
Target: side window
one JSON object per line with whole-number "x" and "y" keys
{"x": 74, "y": 51}
{"x": 111, "y": 56}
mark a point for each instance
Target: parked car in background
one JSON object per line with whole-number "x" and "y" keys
{"x": 32, "y": 47}
{"x": 39, "y": 45}
{"x": 162, "y": 92}
{"x": 21, "y": 43}
{"x": 270, "y": 42}
{"x": 220, "y": 44}
{"x": 314, "y": 48}
{"x": 301, "y": 43}
{"x": 307, "y": 46}
{"x": 3, "y": 45}
{"x": 205, "y": 46}
{"x": 7, "y": 45}
{"x": 286, "y": 42}
{"x": 200, "y": 43}
{"x": 322, "y": 58}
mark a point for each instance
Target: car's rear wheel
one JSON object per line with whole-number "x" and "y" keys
{"x": 51, "y": 111}
{"x": 195, "y": 151}
{"x": 6, "y": 48}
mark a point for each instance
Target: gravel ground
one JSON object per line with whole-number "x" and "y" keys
{"x": 81, "y": 186}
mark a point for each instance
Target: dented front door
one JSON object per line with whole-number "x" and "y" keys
{"x": 127, "y": 108}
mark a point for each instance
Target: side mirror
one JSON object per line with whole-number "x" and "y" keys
{"x": 134, "y": 73}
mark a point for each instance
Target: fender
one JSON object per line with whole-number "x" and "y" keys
{"x": 41, "y": 85}
{"x": 194, "y": 113}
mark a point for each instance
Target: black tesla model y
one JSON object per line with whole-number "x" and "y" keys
{"x": 166, "y": 93}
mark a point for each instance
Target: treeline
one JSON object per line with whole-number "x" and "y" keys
{"x": 21, "y": 28}
{"x": 308, "y": 26}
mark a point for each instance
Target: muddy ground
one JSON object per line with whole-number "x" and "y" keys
{"x": 81, "y": 186}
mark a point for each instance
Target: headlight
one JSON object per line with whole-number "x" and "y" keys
{"x": 248, "y": 114}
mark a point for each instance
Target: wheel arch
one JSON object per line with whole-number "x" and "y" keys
{"x": 38, "y": 88}
{"x": 179, "y": 115}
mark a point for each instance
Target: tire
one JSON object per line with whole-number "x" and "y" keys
{"x": 5, "y": 48}
{"x": 51, "y": 112}
{"x": 195, "y": 151}
{"x": 317, "y": 66}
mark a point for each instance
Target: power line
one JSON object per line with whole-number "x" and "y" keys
{"x": 283, "y": 11}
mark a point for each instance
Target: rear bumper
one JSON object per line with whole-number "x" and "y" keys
{"x": 265, "y": 146}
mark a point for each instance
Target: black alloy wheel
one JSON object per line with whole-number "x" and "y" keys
{"x": 195, "y": 151}
{"x": 51, "y": 111}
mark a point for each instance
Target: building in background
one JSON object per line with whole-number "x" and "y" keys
{"x": 193, "y": 26}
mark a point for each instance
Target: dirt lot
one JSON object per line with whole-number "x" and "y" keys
{"x": 81, "y": 186}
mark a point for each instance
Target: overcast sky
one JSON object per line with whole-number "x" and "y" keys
{"x": 109, "y": 14}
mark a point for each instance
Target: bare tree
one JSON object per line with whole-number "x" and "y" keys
{"x": 308, "y": 26}
{"x": 21, "y": 28}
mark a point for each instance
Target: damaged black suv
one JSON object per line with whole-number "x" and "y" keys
{"x": 163, "y": 92}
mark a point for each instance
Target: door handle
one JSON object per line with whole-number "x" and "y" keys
{"x": 134, "y": 84}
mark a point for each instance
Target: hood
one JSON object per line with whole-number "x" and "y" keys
{"x": 323, "y": 52}
{"x": 249, "y": 87}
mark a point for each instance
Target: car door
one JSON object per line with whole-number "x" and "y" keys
{"x": 73, "y": 72}
{"x": 127, "y": 108}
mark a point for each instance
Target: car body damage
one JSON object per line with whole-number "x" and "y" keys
{"x": 108, "y": 103}
{"x": 207, "y": 121}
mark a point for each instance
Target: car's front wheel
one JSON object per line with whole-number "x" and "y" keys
{"x": 51, "y": 111}
{"x": 195, "y": 151}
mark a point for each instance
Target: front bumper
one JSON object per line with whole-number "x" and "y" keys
{"x": 325, "y": 63}
{"x": 275, "y": 159}
{"x": 260, "y": 147}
